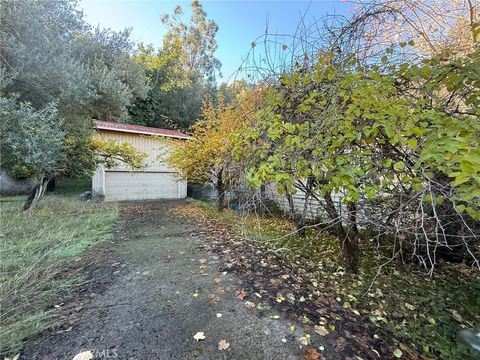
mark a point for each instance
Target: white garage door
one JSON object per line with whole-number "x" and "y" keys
{"x": 123, "y": 185}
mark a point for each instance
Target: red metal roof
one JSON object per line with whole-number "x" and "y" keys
{"x": 138, "y": 129}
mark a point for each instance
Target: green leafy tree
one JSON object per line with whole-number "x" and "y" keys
{"x": 400, "y": 144}
{"x": 55, "y": 68}
{"x": 49, "y": 53}
{"x": 169, "y": 89}
{"x": 197, "y": 39}
{"x": 181, "y": 73}
{"x": 32, "y": 144}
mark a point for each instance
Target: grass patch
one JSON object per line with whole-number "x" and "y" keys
{"x": 35, "y": 248}
{"x": 425, "y": 312}
{"x": 72, "y": 186}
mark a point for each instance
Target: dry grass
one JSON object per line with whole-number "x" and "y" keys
{"x": 34, "y": 250}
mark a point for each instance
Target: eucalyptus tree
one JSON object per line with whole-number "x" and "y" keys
{"x": 182, "y": 72}
{"x": 197, "y": 39}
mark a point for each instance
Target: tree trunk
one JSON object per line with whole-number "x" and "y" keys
{"x": 220, "y": 192}
{"x": 37, "y": 193}
{"x": 332, "y": 212}
{"x": 350, "y": 251}
{"x": 291, "y": 205}
{"x": 348, "y": 238}
{"x": 350, "y": 248}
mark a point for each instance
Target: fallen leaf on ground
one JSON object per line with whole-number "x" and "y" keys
{"x": 199, "y": 336}
{"x": 249, "y": 304}
{"x": 213, "y": 298}
{"x": 223, "y": 345}
{"x": 84, "y": 355}
{"x": 304, "y": 340}
{"x": 311, "y": 354}
{"x": 456, "y": 315}
{"x": 219, "y": 315}
{"x": 397, "y": 353}
{"x": 241, "y": 294}
{"x": 321, "y": 330}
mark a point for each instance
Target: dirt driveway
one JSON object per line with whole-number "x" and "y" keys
{"x": 164, "y": 287}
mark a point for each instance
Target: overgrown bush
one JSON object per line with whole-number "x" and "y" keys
{"x": 399, "y": 143}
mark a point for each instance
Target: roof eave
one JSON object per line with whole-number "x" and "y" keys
{"x": 101, "y": 127}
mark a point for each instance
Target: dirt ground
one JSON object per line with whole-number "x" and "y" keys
{"x": 151, "y": 289}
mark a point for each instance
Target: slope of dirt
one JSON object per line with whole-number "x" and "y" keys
{"x": 163, "y": 287}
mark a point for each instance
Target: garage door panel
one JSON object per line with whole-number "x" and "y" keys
{"x": 122, "y": 185}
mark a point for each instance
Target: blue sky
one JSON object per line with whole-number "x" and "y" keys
{"x": 240, "y": 22}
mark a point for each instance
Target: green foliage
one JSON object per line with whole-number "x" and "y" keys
{"x": 57, "y": 73}
{"x": 181, "y": 73}
{"x": 111, "y": 153}
{"x": 32, "y": 142}
{"x": 397, "y": 137}
{"x": 197, "y": 40}
{"x": 49, "y": 53}
{"x": 163, "y": 67}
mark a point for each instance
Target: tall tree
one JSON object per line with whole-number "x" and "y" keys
{"x": 56, "y": 75}
{"x": 169, "y": 88}
{"x": 181, "y": 73}
{"x": 49, "y": 53}
{"x": 197, "y": 39}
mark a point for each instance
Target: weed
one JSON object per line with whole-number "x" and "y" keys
{"x": 35, "y": 248}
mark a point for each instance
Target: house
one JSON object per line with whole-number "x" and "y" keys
{"x": 156, "y": 180}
